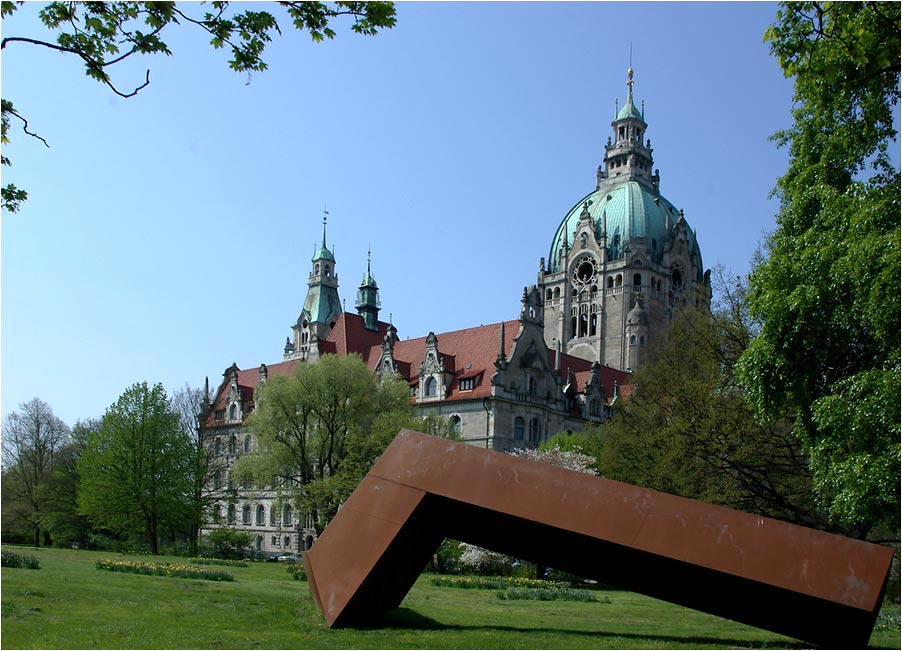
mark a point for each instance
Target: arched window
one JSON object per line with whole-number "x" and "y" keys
{"x": 273, "y": 517}
{"x": 247, "y": 443}
{"x": 286, "y": 516}
{"x": 632, "y": 340}
{"x": 534, "y": 430}
{"x": 532, "y": 387}
{"x": 456, "y": 425}
{"x": 573, "y": 326}
{"x": 316, "y": 268}
{"x": 217, "y": 480}
{"x": 518, "y": 429}
{"x": 593, "y": 325}
{"x": 618, "y": 281}
{"x": 246, "y": 514}
{"x": 233, "y": 444}
{"x": 233, "y": 412}
{"x": 261, "y": 515}
{"x": 430, "y": 388}
{"x": 610, "y": 281}
{"x": 637, "y": 280}
{"x": 557, "y": 293}
{"x": 328, "y": 271}
{"x": 231, "y": 514}
{"x": 548, "y": 295}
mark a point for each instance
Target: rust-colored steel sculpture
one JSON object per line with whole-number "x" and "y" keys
{"x": 818, "y": 587}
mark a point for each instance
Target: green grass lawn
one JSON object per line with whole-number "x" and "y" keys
{"x": 70, "y": 604}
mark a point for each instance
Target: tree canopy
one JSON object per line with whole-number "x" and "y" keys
{"x": 135, "y": 470}
{"x": 318, "y": 431}
{"x": 827, "y": 293}
{"x": 689, "y": 430}
{"x": 103, "y": 34}
{"x": 33, "y": 440}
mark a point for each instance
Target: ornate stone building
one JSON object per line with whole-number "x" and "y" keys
{"x": 622, "y": 260}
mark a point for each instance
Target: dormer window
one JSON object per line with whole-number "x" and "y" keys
{"x": 430, "y": 389}
{"x": 467, "y": 384}
{"x": 233, "y": 412}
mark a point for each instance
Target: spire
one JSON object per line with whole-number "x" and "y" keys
{"x": 325, "y": 214}
{"x": 368, "y": 297}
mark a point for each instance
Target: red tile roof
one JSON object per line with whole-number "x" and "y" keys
{"x": 467, "y": 353}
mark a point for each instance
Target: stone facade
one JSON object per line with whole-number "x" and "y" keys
{"x": 623, "y": 259}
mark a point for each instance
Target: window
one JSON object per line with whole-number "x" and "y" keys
{"x": 233, "y": 444}
{"x": 316, "y": 268}
{"x": 231, "y": 513}
{"x": 518, "y": 429}
{"x": 273, "y": 517}
{"x": 610, "y": 281}
{"x": 217, "y": 480}
{"x": 456, "y": 424}
{"x": 642, "y": 340}
{"x": 247, "y": 443}
{"x": 275, "y": 541}
{"x": 637, "y": 280}
{"x": 534, "y": 430}
{"x": 557, "y": 293}
{"x": 217, "y": 446}
{"x": 467, "y": 384}
{"x": 261, "y": 515}
{"x": 287, "y": 544}
{"x": 595, "y": 407}
{"x": 430, "y": 388}
{"x": 246, "y": 514}
{"x": 618, "y": 281}
{"x": 632, "y": 340}
{"x": 548, "y": 294}
{"x": 233, "y": 412}
{"x": 286, "y": 516}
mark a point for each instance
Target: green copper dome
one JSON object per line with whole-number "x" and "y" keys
{"x": 630, "y": 111}
{"x": 631, "y": 211}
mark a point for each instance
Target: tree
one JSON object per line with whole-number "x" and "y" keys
{"x": 135, "y": 469}
{"x": 32, "y": 440}
{"x": 319, "y": 431}
{"x": 205, "y": 467}
{"x": 103, "y": 34}
{"x": 63, "y": 521}
{"x": 689, "y": 430}
{"x": 828, "y": 294}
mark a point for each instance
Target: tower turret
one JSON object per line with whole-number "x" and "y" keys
{"x": 368, "y": 298}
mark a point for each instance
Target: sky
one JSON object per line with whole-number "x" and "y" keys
{"x": 169, "y": 235}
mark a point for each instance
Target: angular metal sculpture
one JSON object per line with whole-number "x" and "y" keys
{"x": 818, "y": 587}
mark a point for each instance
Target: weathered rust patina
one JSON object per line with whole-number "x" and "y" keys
{"x": 818, "y": 587}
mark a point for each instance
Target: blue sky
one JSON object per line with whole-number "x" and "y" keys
{"x": 169, "y": 235}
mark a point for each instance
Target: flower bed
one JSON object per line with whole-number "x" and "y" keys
{"x": 549, "y": 594}
{"x": 164, "y": 569}
{"x": 217, "y": 561}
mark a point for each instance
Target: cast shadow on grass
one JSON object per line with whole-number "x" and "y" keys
{"x": 406, "y": 619}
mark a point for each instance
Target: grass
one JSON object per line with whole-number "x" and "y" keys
{"x": 69, "y": 604}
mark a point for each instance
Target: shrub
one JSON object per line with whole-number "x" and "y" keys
{"x": 888, "y": 620}
{"x": 164, "y": 569}
{"x": 229, "y": 543}
{"x": 297, "y": 571}
{"x": 12, "y": 559}
{"x": 485, "y": 562}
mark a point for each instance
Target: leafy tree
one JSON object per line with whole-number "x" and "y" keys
{"x": 828, "y": 292}
{"x": 571, "y": 458}
{"x": 205, "y": 467}
{"x": 103, "y": 34}
{"x": 63, "y": 521}
{"x": 229, "y": 543}
{"x": 689, "y": 430}
{"x": 135, "y": 469}
{"x": 32, "y": 440}
{"x": 319, "y": 431}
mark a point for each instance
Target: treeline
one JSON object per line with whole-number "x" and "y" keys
{"x": 132, "y": 479}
